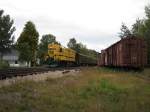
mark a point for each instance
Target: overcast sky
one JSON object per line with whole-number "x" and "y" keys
{"x": 95, "y": 23}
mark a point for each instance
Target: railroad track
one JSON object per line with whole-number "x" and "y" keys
{"x": 14, "y": 72}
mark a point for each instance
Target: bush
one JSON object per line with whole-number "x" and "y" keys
{"x": 4, "y": 64}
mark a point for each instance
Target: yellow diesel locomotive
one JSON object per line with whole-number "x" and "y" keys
{"x": 58, "y": 55}
{"x": 61, "y": 56}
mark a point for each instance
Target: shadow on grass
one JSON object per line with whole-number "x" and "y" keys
{"x": 122, "y": 69}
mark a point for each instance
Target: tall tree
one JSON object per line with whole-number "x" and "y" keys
{"x": 147, "y": 30}
{"x": 125, "y": 32}
{"x": 25, "y": 54}
{"x": 138, "y": 28}
{"x": 43, "y": 46}
{"x": 6, "y": 33}
{"x": 147, "y": 11}
{"x": 142, "y": 28}
{"x": 29, "y": 36}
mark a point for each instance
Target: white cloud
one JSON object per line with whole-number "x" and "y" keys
{"x": 94, "y": 22}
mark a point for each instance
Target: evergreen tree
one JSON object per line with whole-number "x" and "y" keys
{"x": 125, "y": 32}
{"x": 138, "y": 29}
{"x": 147, "y": 30}
{"x": 6, "y": 33}
{"x": 142, "y": 28}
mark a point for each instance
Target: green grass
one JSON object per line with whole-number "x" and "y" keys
{"x": 94, "y": 90}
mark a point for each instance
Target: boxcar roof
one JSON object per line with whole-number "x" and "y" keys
{"x": 127, "y": 38}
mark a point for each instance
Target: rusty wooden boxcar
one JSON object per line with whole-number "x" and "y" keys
{"x": 128, "y": 52}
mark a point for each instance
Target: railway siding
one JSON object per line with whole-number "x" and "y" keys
{"x": 39, "y": 76}
{"x": 14, "y": 72}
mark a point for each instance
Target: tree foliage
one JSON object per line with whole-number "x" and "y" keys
{"x": 125, "y": 32}
{"x": 147, "y": 11}
{"x": 6, "y": 32}
{"x": 25, "y": 54}
{"x": 72, "y": 44}
{"x": 138, "y": 28}
{"x": 27, "y": 43}
{"x": 142, "y": 28}
{"x": 43, "y": 46}
{"x": 147, "y": 30}
{"x": 81, "y": 48}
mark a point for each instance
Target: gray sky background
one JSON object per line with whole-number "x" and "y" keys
{"x": 95, "y": 23}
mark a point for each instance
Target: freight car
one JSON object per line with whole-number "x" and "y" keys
{"x": 61, "y": 56}
{"x": 129, "y": 52}
{"x": 84, "y": 60}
